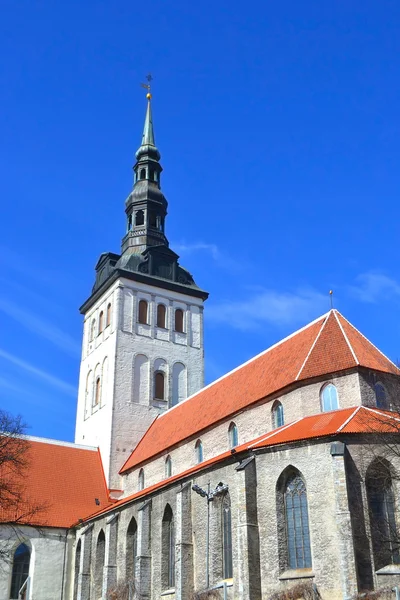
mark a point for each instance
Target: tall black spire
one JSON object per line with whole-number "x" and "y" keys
{"x": 146, "y": 205}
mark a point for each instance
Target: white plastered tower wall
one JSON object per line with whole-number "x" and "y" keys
{"x": 133, "y": 353}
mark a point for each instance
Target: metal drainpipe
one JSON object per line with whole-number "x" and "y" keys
{"x": 208, "y": 539}
{"x": 224, "y": 585}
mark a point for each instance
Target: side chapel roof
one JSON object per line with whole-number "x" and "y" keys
{"x": 329, "y": 344}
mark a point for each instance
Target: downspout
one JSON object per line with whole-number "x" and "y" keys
{"x": 208, "y": 539}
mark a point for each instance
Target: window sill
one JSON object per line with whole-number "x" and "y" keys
{"x": 389, "y": 570}
{"x": 297, "y": 574}
{"x": 168, "y": 592}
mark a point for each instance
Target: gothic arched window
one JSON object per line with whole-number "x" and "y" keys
{"x": 141, "y": 480}
{"x": 101, "y": 321}
{"x": 143, "y": 309}
{"x": 159, "y": 386}
{"x": 329, "y": 398}
{"x": 199, "y": 451}
{"x": 108, "y": 317}
{"x": 161, "y": 314}
{"x": 99, "y": 565}
{"x": 382, "y": 510}
{"x": 296, "y": 521}
{"x": 226, "y": 537}
{"x": 233, "y": 435}
{"x": 179, "y": 320}
{"x": 380, "y": 396}
{"x": 131, "y": 550}
{"x": 277, "y": 415}
{"x": 168, "y": 550}
{"x": 20, "y": 570}
{"x": 168, "y": 467}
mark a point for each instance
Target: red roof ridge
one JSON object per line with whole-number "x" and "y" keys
{"x": 386, "y": 413}
{"x": 313, "y": 345}
{"x": 369, "y": 341}
{"x": 353, "y": 414}
{"x": 241, "y": 366}
{"x": 336, "y": 313}
{"x": 274, "y": 432}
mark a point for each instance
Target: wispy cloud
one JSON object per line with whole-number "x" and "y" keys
{"x": 218, "y": 257}
{"x": 374, "y": 287}
{"x": 37, "y": 325}
{"x": 61, "y": 385}
{"x": 269, "y": 307}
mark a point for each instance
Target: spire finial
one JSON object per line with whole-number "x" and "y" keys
{"x": 147, "y": 86}
{"x": 331, "y": 297}
{"x": 148, "y": 131}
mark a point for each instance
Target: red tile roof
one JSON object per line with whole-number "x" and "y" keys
{"x": 328, "y": 345}
{"x": 64, "y": 481}
{"x": 354, "y": 420}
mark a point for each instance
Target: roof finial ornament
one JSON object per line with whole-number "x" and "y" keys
{"x": 147, "y": 86}
{"x": 331, "y": 297}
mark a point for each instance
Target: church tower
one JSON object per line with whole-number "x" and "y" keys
{"x": 142, "y": 349}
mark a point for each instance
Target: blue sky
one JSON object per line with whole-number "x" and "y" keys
{"x": 278, "y": 126}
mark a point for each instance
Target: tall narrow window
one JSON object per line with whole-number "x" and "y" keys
{"x": 139, "y": 217}
{"x": 108, "y": 318}
{"x": 129, "y": 222}
{"x": 297, "y": 526}
{"x": 159, "y": 385}
{"x": 168, "y": 467}
{"x": 92, "y": 330}
{"x": 329, "y": 398}
{"x": 179, "y": 320}
{"x": 141, "y": 480}
{"x": 131, "y": 550}
{"x": 199, "y": 451}
{"x": 382, "y": 509}
{"x": 101, "y": 321}
{"x": 161, "y": 314}
{"x": 226, "y": 537}
{"x": 380, "y": 396}
{"x": 168, "y": 550}
{"x": 97, "y": 392}
{"x": 233, "y": 435}
{"x": 143, "y": 309}
{"x": 20, "y": 570}
{"x": 142, "y": 173}
{"x": 277, "y": 415}
{"x": 99, "y": 565}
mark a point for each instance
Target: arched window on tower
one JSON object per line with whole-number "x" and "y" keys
{"x": 129, "y": 222}
{"x": 199, "y": 451}
{"x": 161, "y": 315}
{"x": 382, "y": 510}
{"x": 131, "y": 550}
{"x": 152, "y": 219}
{"x": 168, "y": 467}
{"x": 101, "y": 322}
{"x": 143, "y": 310}
{"x": 329, "y": 398}
{"x": 141, "y": 480}
{"x": 108, "y": 317}
{"x": 139, "y": 217}
{"x": 179, "y": 320}
{"x": 226, "y": 537}
{"x": 142, "y": 173}
{"x": 168, "y": 550}
{"x": 380, "y": 396}
{"x": 277, "y": 415}
{"x": 159, "y": 386}
{"x": 20, "y": 569}
{"x": 233, "y": 435}
{"x": 97, "y": 392}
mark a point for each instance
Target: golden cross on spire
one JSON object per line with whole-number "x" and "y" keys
{"x": 147, "y": 86}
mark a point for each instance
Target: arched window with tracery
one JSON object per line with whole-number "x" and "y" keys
{"x": 20, "y": 569}
{"x": 293, "y": 523}
{"x": 99, "y": 565}
{"x": 131, "y": 550}
{"x": 382, "y": 511}
{"x": 159, "y": 385}
{"x": 198, "y": 450}
{"x": 329, "y": 398}
{"x": 168, "y": 550}
{"x": 141, "y": 480}
{"x": 108, "y": 315}
{"x": 226, "y": 537}
{"x": 380, "y": 396}
{"x": 101, "y": 321}
{"x": 168, "y": 467}
{"x": 233, "y": 435}
{"x": 143, "y": 310}
{"x": 179, "y": 320}
{"x": 277, "y": 415}
{"x": 161, "y": 315}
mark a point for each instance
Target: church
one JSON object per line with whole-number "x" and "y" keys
{"x": 276, "y": 478}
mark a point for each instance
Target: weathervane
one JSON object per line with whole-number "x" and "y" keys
{"x": 147, "y": 86}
